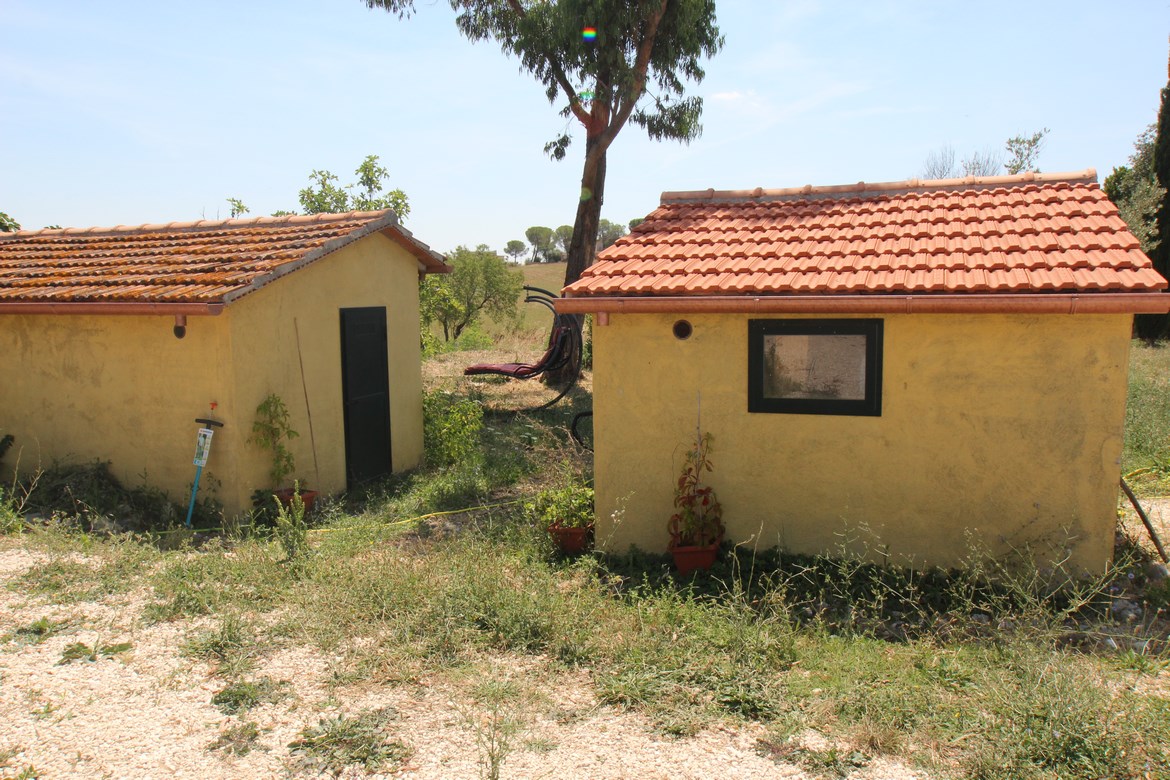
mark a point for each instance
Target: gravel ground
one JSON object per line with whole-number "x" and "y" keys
{"x": 147, "y": 713}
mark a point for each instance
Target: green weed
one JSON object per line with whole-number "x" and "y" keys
{"x": 244, "y": 695}
{"x": 35, "y": 632}
{"x": 232, "y": 647}
{"x": 451, "y": 428}
{"x": 238, "y": 739}
{"x": 364, "y": 740}
{"x": 79, "y": 651}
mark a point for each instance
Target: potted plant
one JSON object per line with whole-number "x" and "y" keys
{"x": 696, "y": 527}
{"x": 567, "y": 513}
{"x": 270, "y": 431}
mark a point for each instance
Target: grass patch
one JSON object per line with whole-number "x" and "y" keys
{"x": 363, "y": 740}
{"x": 231, "y": 647}
{"x": 86, "y": 568}
{"x": 238, "y": 739}
{"x": 79, "y": 651}
{"x": 35, "y": 632}
{"x": 244, "y": 695}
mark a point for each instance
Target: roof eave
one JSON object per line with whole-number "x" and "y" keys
{"x": 1038, "y": 303}
{"x": 110, "y": 307}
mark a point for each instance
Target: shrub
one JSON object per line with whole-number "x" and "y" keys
{"x": 451, "y": 428}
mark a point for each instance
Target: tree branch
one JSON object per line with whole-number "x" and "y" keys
{"x": 626, "y": 103}
{"x": 558, "y": 75}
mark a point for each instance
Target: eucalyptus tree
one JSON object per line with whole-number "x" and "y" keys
{"x": 605, "y": 63}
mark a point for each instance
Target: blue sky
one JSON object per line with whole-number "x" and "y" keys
{"x": 133, "y": 112}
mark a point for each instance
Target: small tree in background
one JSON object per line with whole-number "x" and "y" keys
{"x": 8, "y": 224}
{"x": 1134, "y": 190}
{"x": 514, "y": 249}
{"x": 480, "y": 282}
{"x": 1023, "y": 151}
{"x": 324, "y": 196}
{"x": 541, "y": 239}
{"x": 563, "y": 236}
{"x": 608, "y": 232}
{"x": 237, "y": 206}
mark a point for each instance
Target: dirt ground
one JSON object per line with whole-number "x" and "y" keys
{"x": 1158, "y": 512}
{"x": 146, "y": 712}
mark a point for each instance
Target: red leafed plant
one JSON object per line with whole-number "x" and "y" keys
{"x": 699, "y": 519}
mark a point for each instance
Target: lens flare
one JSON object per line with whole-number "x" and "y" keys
{"x": 589, "y": 33}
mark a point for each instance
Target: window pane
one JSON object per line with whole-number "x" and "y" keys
{"x": 814, "y": 366}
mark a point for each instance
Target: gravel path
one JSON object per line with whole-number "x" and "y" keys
{"x": 146, "y": 712}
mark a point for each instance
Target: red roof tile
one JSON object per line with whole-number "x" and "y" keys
{"x": 1009, "y": 234}
{"x": 206, "y": 262}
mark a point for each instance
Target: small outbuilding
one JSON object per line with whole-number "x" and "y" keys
{"x": 914, "y": 371}
{"x": 116, "y": 339}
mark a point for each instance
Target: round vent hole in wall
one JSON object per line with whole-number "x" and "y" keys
{"x": 682, "y": 330}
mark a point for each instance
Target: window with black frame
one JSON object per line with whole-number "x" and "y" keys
{"x": 815, "y": 367}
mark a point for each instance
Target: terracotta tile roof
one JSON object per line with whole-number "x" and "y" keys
{"x": 205, "y": 262}
{"x": 1035, "y": 233}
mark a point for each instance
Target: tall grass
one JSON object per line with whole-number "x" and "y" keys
{"x": 1147, "y": 418}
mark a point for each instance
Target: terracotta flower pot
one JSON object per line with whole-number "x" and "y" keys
{"x": 285, "y": 496}
{"x": 570, "y": 540}
{"x": 689, "y": 558}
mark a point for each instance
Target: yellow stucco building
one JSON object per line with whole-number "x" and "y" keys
{"x": 116, "y": 340}
{"x": 911, "y": 371}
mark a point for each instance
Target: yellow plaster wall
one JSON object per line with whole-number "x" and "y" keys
{"x": 116, "y": 388}
{"x": 124, "y": 389}
{"x": 1006, "y": 426}
{"x": 264, "y": 330}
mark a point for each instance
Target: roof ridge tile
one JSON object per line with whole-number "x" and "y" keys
{"x": 912, "y": 188}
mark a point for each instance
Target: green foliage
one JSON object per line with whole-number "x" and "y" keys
{"x": 1047, "y": 718}
{"x": 89, "y": 496}
{"x": 243, "y": 695}
{"x": 35, "y": 632}
{"x": 541, "y": 238}
{"x": 11, "y": 519}
{"x": 325, "y": 195}
{"x": 79, "y": 651}
{"x": 514, "y": 249}
{"x": 1157, "y": 326}
{"x": 481, "y": 283}
{"x": 1147, "y": 419}
{"x": 8, "y": 224}
{"x": 291, "y": 531}
{"x": 451, "y": 428}
{"x": 364, "y": 740}
{"x": 1134, "y": 189}
{"x": 569, "y": 505}
{"x": 232, "y": 646}
{"x": 634, "y": 70}
{"x": 237, "y": 739}
{"x": 473, "y": 338}
{"x": 608, "y": 232}
{"x": 699, "y": 519}
{"x": 1023, "y": 152}
{"x": 238, "y": 209}
{"x": 271, "y": 429}
{"x": 563, "y": 236}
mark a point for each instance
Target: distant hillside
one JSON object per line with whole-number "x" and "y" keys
{"x": 549, "y": 276}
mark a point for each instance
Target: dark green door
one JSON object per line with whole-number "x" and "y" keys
{"x": 365, "y": 388}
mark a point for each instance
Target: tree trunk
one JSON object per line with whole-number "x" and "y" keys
{"x": 583, "y": 246}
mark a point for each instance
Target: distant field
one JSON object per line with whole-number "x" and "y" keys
{"x": 535, "y": 318}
